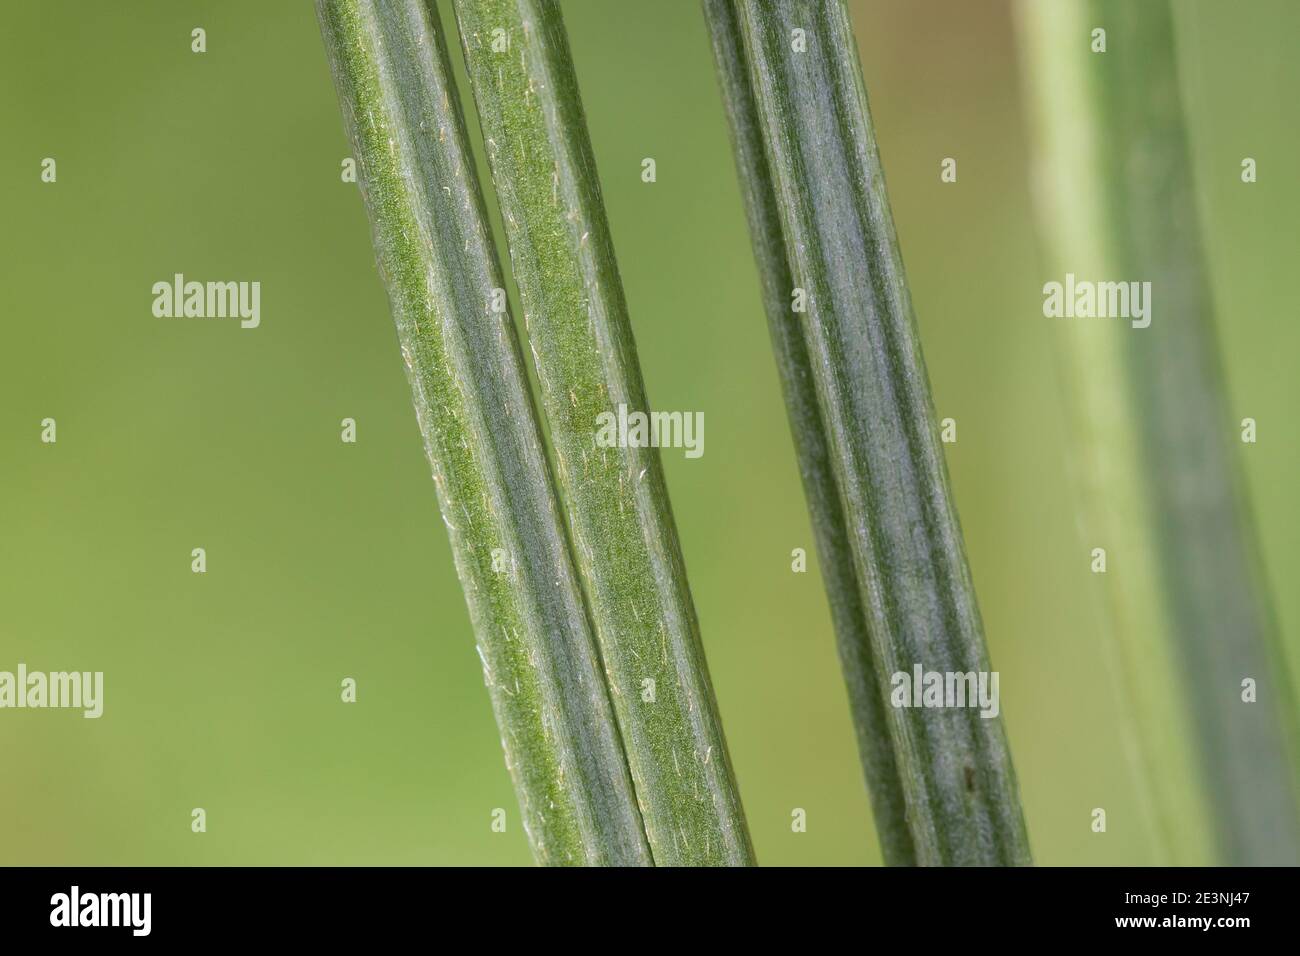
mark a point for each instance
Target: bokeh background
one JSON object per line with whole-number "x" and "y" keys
{"x": 328, "y": 560}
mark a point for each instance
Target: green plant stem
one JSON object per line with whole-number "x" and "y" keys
{"x": 958, "y": 782}
{"x": 622, "y": 527}
{"x": 795, "y": 369}
{"x": 390, "y": 66}
{"x": 1161, "y": 488}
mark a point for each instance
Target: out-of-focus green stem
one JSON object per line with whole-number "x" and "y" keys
{"x": 390, "y": 66}
{"x": 806, "y": 426}
{"x": 959, "y": 785}
{"x": 1162, "y": 494}
{"x": 625, "y": 541}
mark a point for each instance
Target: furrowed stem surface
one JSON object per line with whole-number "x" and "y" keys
{"x": 795, "y": 368}
{"x": 1161, "y": 488}
{"x": 622, "y": 527}
{"x": 390, "y": 66}
{"x": 958, "y": 782}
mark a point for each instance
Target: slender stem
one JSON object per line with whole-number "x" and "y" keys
{"x": 390, "y": 66}
{"x": 958, "y": 782}
{"x": 1162, "y": 492}
{"x": 626, "y": 543}
{"x": 806, "y": 426}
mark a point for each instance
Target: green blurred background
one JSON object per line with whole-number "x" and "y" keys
{"x": 328, "y": 560}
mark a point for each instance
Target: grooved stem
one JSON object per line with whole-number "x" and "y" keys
{"x": 475, "y": 413}
{"x": 617, "y": 502}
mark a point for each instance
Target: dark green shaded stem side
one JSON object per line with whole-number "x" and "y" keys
{"x": 959, "y": 785}
{"x": 625, "y": 540}
{"x": 390, "y": 67}
{"x": 1111, "y": 129}
{"x": 860, "y": 673}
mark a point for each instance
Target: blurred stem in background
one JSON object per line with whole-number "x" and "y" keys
{"x": 1156, "y": 455}
{"x": 474, "y": 409}
{"x": 526, "y": 92}
{"x": 850, "y": 297}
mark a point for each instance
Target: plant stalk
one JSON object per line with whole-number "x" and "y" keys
{"x": 959, "y": 785}
{"x": 481, "y": 434}
{"x": 1160, "y": 482}
{"x": 808, "y": 431}
{"x": 626, "y": 544}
